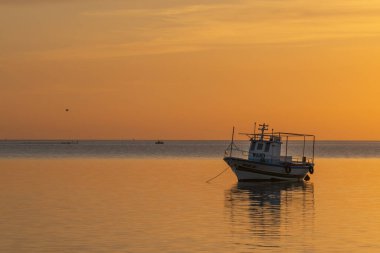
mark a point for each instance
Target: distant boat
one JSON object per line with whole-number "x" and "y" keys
{"x": 263, "y": 160}
{"x": 159, "y": 142}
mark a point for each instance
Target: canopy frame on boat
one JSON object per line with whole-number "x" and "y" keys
{"x": 279, "y": 136}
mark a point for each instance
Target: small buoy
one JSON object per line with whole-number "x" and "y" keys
{"x": 67, "y": 110}
{"x": 307, "y": 178}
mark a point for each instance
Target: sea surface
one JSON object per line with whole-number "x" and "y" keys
{"x": 137, "y": 196}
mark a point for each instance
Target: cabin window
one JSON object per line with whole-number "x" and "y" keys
{"x": 267, "y": 146}
{"x": 260, "y": 146}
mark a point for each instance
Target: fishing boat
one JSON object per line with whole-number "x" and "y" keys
{"x": 268, "y": 160}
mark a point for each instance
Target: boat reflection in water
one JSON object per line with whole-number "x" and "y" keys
{"x": 278, "y": 215}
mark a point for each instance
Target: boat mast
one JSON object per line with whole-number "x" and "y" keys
{"x": 232, "y": 140}
{"x": 262, "y": 129}
{"x": 303, "y": 151}
{"x": 313, "y": 148}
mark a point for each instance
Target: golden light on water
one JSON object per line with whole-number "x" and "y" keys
{"x": 95, "y": 204}
{"x": 185, "y": 70}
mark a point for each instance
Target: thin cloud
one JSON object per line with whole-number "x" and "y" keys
{"x": 190, "y": 9}
{"x": 195, "y": 27}
{"x": 31, "y": 2}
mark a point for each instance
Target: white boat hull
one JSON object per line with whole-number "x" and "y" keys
{"x": 246, "y": 170}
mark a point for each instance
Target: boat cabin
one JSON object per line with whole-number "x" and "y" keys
{"x": 266, "y": 147}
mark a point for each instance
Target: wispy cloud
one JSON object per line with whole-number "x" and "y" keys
{"x": 256, "y": 22}
{"x": 31, "y": 2}
{"x": 191, "y": 27}
{"x": 191, "y": 9}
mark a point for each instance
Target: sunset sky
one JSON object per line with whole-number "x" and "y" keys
{"x": 187, "y": 69}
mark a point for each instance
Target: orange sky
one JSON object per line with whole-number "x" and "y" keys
{"x": 188, "y": 69}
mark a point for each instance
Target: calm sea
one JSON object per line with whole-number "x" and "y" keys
{"x": 136, "y": 196}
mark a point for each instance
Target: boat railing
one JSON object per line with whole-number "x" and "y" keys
{"x": 298, "y": 160}
{"x": 237, "y": 152}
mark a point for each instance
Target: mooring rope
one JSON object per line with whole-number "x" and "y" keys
{"x": 208, "y": 181}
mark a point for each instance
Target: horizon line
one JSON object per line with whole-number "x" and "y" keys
{"x": 133, "y": 139}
